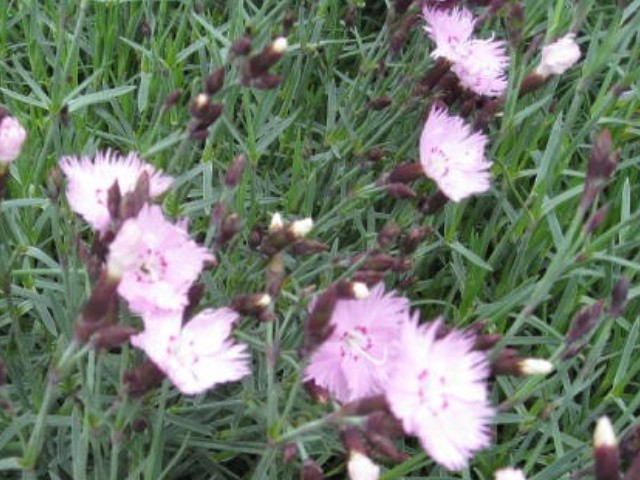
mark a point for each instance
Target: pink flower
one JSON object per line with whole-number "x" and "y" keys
{"x": 12, "y": 136}
{"x": 90, "y": 180}
{"x": 156, "y": 262}
{"x": 197, "y": 356}
{"x": 509, "y": 474}
{"x": 354, "y": 361}
{"x": 559, "y": 56}
{"x": 453, "y": 156}
{"x": 439, "y": 393}
{"x": 479, "y": 64}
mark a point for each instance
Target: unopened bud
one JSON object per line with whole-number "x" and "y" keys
{"x": 260, "y": 63}
{"x": 535, "y": 366}
{"x": 143, "y": 378}
{"x": 605, "y": 451}
{"x": 306, "y": 246}
{"x": 300, "y": 228}
{"x": 276, "y": 223}
{"x": 360, "y": 467}
{"x": 487, "y": 341}
{"x": 112, "y": 336}
{"x": 413, "y": 238}
{"x": 380, "y": 262}
{"x": 251, "y": 305}
{"x": 275, "y": 274}
{"x": 375, "y": 154}
{"x": 214, "y": 82}
{"x": 405, "y": 173}
{"x": 311, "y": 471}
{"x": 242, "y": 46}
{"x": 509, "y": 474}
{"x": 619, "y": 297}
{"x": 230, "y": 225}
{"x": 583, "y": 322}
{"x": 266, "y": 81}
{"x": 235, "y": 171}
{"x": 559, "y": 56}
{"x": 319, "y": 394}
{"x": 289, "y": 452}
{"x": 433, "y": 203}
{"x": 368, "y": 277}
{"x": 388, "y": 235}
{"x": 171, "y": 99}
{"x": 596, "y": 219}
{"x": 400, "y": 191}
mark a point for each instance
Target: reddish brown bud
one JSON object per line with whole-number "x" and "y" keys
{"x": 389, "y": 234}
{"x": 101, "y": 299}
{"x": 113, "y": 200}
{"x": 368, "y": 277}
{"x": 375, "y": 154}
{"x": 433, "y": 77}
{"x": 269, "y": 56}
{"x": 139, "y": 425}
{"x": 487, "y": 341}
{"x": 605, "y": 451}
{"x": 400, "y": 191}
{"x": 602, "y": 164}
{"x": 405, "y": 173}
{"x": 235, "y": 171}
{"x": 305, "y": 246}
{"x": 242, "y": 46}
{"x": 267, "y": 81}
{"x": 112, "y": 336}
{"x": 380, "y": 430}
{"x": 171, "y": 99}
{"x": 275, "y": 274}
{"x": 289, "y": 452}
{"x": 256, "y": 236}
{"x": 311, "y": 471}
{"x": 619, "y": 297}
{"x": 317, "y": 327}
{"x": 132, "y": 202}
{"x": 142, "y": 379}
{"x": 350, "y": 17}
{"x": 433, "y": 203}
{"x": 251, "y": 305}
{"x": 583, "y": 322}
{"x": 379, "y": 262}
{"x": 319, "y": 394}
{"x": 352, "y": 440}
{"x": 230, "y": 225}
{"x": 379, "y": 103}
{"x": 194, "y": 295}
{"x": 214, "y": 82}
{"x": 412, "y": 240}
{"x": 365, "y": 406}
{"x": 596, "y": 219}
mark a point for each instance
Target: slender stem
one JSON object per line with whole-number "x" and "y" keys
{"x": 330, "y": 419}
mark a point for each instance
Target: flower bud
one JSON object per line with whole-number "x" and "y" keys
{"x": 251, "y": 305}
{"x": 235, "y": 171}
{"x": 583, "y": 322}
{"x": 605, "y": 451}
{"x": 596, "y": 219}
{"x": 242, "y": 46}
{"x": 171, "y": 99}
{"x": 12, "y": 137}
{"x": 360, "y": 467}
{"x": 379, "y": 103}
{"x": 266, "y": 81}
{"x": 509, "y": 474}
{"x": 388, "y": 235}
{"x": 306, "y": 246}
{"x": 311, "y": 471}
{"x": 400, "y": 191}
{"x": 260, "y": 63}
{"x": 559, "y": 56}
{"x": 619, "y": 297}
{"x": 300, "y": 228}
{"x": 535, "y": 366}
{"x": 405, "y": 173}
{"x": 112, "y": 336}
{"x": 276, "y": 223}
{"x": 214, "y": 82}
{"x": 142, "y": 379}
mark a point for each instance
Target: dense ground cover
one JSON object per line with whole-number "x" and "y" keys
{"x": 86, "y": 75}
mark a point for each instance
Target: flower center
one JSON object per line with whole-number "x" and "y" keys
{"x": 357, "y": 343}
{"x": 152, "y": 266}
{"x": 433, "y": 392}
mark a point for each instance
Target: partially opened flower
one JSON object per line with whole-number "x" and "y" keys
{"x": 509, "y": 474}
{"x": 480, "y": 64}
{"x": 156, "y": 262}
{"x": 199, "y": 355}
{"x": 559, "y": 56}
{"x": 355, "y": 361}
{"x": 452, "y": 155}
{"x": 12, "y": 136}
{"x": 439, "y": 393}
{"x": 89, "y": 181}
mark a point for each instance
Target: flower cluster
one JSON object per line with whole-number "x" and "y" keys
{"x": 152, "y": 263}
{"x": 480, "y": 64}
{"x": 435, "y": 385}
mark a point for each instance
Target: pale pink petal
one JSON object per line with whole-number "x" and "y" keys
{"x": 12, "y": 137}
{"x": 439, "y": 393}
{"x": 354, "y": 361}
{"x": 89, "y": 181}
{"x": 452, "y": 155}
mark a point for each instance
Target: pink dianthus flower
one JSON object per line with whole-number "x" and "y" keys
{"x": 89, "y": 181}
{"x": 354, "y": 361}
{"x": 199, "y": 355}
{"x": 439, "y": 393}
{"x": 453, "y": 156}
{"x": 156, "y": 262}
{"x": 479, "y": 64}
{"x": 12, "y": 136}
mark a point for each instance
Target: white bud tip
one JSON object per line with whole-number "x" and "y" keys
{"x": 361, "y": 467}
{"x": 360, "y": 290}
{"x": 264, "y": 300}
{"x": 280, "y": 45}
{"x": 535, "y": 366}
{"x": 509, "y": 474}
{"x": 604, "y": 436}
{"x": 202, "y": 100}
{"x": 276, "y": 222}
{"x": 300, "y": 228}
